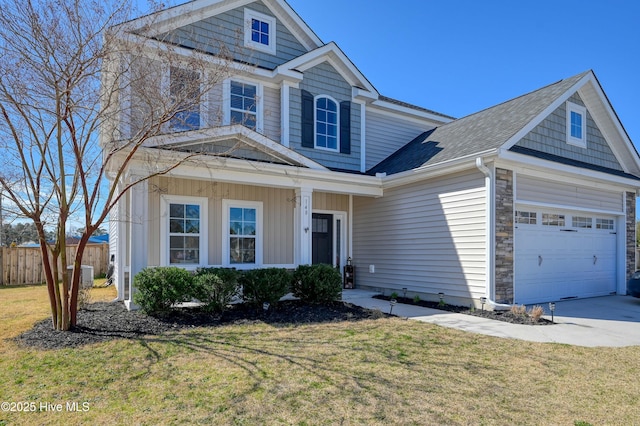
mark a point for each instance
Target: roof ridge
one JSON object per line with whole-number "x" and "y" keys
{"x": 413, "y": 106}
{"x": 582, "y": 74}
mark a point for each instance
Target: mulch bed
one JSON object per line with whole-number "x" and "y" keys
{"x": 103, "y": 321}
{"x": 505, "y": 316}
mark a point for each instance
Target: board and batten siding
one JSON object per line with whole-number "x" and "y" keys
{"x": 428, "y": 237}
{"x": 278, "y": 216}
{"x": 540, "y": 191}
{"x": 387, "y": 134}
{"x": 326, "y": 201}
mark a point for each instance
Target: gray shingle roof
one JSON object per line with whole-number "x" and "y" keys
{"x": 483, "y": 131}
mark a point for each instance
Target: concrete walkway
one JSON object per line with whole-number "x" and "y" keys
{"x": 599, "y": 321}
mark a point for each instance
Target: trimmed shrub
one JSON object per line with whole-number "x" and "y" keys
{"x": 228, "y": 275}
{"x": 214, "y": 290}
{"x": 264, "y": 285}
{"x": 157, "y": 289}
{"x": 317, "y": 283}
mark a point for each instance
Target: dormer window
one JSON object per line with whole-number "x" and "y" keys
{"x": 259, "y": 31}
{"x": 576, "y": 125}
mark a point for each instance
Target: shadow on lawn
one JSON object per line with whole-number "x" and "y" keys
{"x": 102, "y": 321}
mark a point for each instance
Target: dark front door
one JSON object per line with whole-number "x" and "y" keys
{"x": 322, "y": 239}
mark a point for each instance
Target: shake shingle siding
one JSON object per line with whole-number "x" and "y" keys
{"x": 227, "y": 30}
{"x": 323, "y": 79}
{"x": 550, "y": 137}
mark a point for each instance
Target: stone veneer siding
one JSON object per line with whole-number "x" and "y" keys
{"x": 631, "y": 233}
{"x": 504, "y": 236}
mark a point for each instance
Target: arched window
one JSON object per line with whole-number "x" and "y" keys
{"x": 326, "y": 123}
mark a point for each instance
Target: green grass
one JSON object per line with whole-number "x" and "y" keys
{"x": 384, "y": 371}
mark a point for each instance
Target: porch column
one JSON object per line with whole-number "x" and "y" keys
{"x": 138, "y": 234}
{"x": 304, "y": 207}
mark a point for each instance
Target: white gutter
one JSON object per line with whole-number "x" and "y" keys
{"x": 490, "y": 240}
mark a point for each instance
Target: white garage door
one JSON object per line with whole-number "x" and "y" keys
{"x": 562, "y": 255}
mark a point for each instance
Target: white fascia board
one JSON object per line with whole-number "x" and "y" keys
{"x": 545, "y": 113}
{"x": 290, "y": 19}
{"x": 409, "y": 113}
{"x": 331, "y": 53}
{"x": 153, "y": 49}
{"x": 232, "y": 170}
{"x": 435, "y": 170}
{"x": 609, "y": 124}
{"x": 184, "y": 14}
{"x": 538, "y": 167}
{"x": 597, "y": 103}
{"x": 360, "y": 94}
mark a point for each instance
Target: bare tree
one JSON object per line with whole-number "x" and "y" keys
{"x": 81, "y": 95}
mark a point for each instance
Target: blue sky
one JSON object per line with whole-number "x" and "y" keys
{"x": 458, "y": 57}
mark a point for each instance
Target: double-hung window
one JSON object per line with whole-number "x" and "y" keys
{"x": 260, "y": 31}
{"x": 184, "y": 89}
{"x": 326, "y": 123}
{"x": 184, "y": 231}
{"x": 576, "y": 125}
{"x": 242, "y": 222}
{"x": 243, "y": 104}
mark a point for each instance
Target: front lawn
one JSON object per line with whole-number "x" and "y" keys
{"x": 376, "y": 371}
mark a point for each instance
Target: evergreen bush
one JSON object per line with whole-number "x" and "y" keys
{"x": 317, "y": 283}
{"x": 159, "y": 288}
{"x": 264, "y": 285}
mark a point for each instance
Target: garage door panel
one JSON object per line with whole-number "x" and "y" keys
{"x": 552, "y": 264}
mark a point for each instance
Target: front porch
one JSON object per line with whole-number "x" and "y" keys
{"x": 188, "y": 220}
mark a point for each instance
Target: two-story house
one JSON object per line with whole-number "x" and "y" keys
{"x": 529, "y": 201}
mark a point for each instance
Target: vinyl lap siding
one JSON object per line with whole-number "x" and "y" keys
{"x": 271, "y": 114}
{"x": 385, "y": 135}
{"x": 427, "y": 237}
{"x": 540, "y": 191}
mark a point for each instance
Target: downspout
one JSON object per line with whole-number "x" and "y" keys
{"x": 490, "y": 241}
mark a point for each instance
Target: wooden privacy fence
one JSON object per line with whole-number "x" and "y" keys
{"x": 23, "y": 265}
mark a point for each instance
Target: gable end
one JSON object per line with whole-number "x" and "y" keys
{"x": 549, "y": 139}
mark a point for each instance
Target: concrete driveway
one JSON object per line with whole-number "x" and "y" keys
{"x": 599, "y": 321}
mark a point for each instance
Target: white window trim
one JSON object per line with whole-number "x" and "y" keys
{"x": 580, "y": 142}
{"x": 315, "y": 124}
{"x": 226, "y": 205}
{"x": 166, "y": 88}
{"x": 203, "y": 202}
{"x": 226, "y": 101}
{"x": 252, "y": 14}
